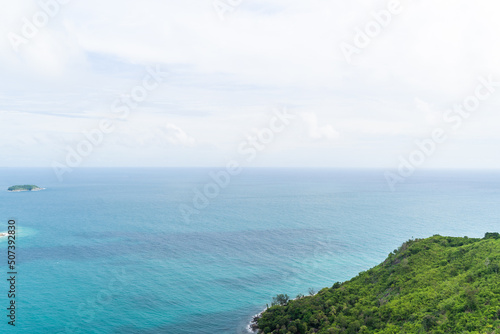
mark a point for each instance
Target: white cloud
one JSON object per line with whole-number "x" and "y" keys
{"x": 177, "y": 136}
{"x": 366, "y": 126}
{"x": 316, "y": 131}
{"x": 267, "y": 53}
{"x": 431, "y": 115}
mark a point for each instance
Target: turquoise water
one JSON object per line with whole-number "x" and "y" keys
{"x": 108, "y": 251}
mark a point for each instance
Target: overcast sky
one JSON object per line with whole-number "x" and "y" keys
{"x": 225, "y": 73}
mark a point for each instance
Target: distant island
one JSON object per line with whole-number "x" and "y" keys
{"x": 26, "y": 187}
{"x": 434, "y": 285}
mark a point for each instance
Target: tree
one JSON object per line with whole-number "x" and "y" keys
{"x": 492, "y": 235}
{"x": 281, "y": 299}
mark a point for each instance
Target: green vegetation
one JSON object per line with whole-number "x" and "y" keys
{"x": 26, "y": 187}
{"x": 434, "y": 285}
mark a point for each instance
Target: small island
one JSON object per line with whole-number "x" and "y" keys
{"x": 26, "y": 187}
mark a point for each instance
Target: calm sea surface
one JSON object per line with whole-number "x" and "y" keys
{"x": 109, "y": 251}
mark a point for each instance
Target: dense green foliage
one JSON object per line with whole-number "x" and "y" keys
{"x": 26, "y": 187}
{"x": 434, "y": 285}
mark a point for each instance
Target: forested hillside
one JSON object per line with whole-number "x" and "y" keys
{"x": 434, "y": 285}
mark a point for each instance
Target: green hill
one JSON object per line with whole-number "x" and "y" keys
{"x": 434, "y": 285}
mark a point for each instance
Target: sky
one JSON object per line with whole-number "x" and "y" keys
{"x": 364, "y": 83}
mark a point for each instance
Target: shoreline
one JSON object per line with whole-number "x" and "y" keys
{"x": 249, "y": 325}
{"x": 21, "y": 190}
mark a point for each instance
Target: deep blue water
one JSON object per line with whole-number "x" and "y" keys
{"x": 108, "y": 251}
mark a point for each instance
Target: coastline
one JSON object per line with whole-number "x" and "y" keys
{"x": 21, "y": 190}
{"x": 249, "y": 326}
{"x": 252, "y": 322}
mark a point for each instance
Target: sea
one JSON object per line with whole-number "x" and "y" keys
{"x": 199, "y": 250}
